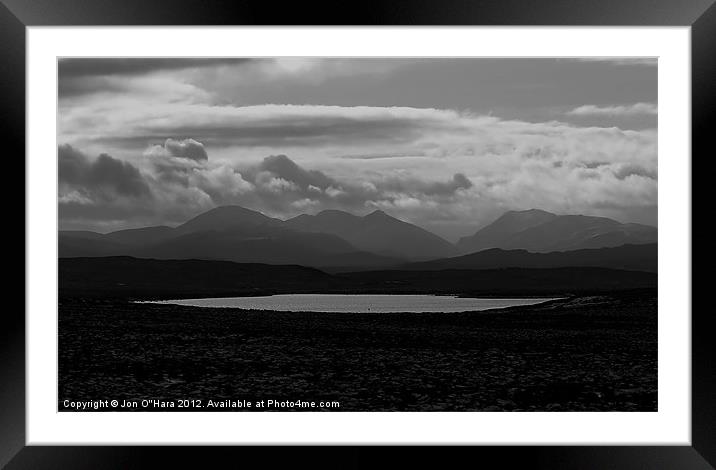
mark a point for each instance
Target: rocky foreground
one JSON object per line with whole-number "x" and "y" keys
{"x": 587, "y": 353}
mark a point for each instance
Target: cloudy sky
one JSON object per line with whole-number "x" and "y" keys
{"x": 448, "y": 144}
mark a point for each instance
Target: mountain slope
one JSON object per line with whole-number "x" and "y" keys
{"x": 123, "y": 276}
{"x": 226, "y": 217}
{"x": 270, "y": 246}
{"x": 141, "y": 236}
{"x": 627, "y": 257}
{"x": 510, "y": 223}
{"x": 336, "y": 239}
{"x": 229, "y": 233}
{"x": 377, "y": 233}
{"x": 510, "y": 281}
{"x": 540, "y": 231}
{"x": 72, "y": 244}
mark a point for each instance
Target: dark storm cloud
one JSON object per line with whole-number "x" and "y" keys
{"x": 175, "y": 160}
{"x": 438, "y": 188}
{"x": 105, "y": 176}
{"x": 628, "y": 170}
{"x": 67, "y": 87}
{"x": 69, "y": 68}
{"x": 172, "y": 171}
{"x": 105, "y": 193}
{"x": 293, "y": 131}
{"x": 283, "y": 167}
{"x": 187, "y": 148}
{"x": 620, "y": 171}
{"x": 80, "y": 76}
{"x": 279, "y": 182}
{"x": 282, "y": 184}
{"x": 301, "y": 130}
{"x": 380, "y": 156}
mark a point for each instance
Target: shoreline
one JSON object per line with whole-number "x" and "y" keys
{"x": 177, "y": 302}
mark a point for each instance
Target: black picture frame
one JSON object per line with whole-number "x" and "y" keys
{"x": 16, "y": 15}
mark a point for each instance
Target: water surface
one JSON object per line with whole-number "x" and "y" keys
{"x": 356, "y": 303}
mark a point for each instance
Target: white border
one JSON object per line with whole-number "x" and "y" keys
{"x": 670, "y": 425}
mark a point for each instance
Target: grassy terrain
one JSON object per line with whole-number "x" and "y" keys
{"x": 589, "y": 352}
{"x": 135, "y": 278}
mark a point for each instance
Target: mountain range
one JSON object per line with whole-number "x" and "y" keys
{"x": 337, "y": 239}
{"x": 540, "y": 231}
{"x": 234, "y": 233}
{"x": 625, "y": 257}
{"x": 377, "y": 233}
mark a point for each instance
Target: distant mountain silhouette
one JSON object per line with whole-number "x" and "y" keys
{"x": 378, "y": 233}
{"x": 230, "y": 233}
{"x": 124, "y": 276}
{"x": 337, "y": 239}
{"x": 268, "y": 245}
{"x": 82, "y": 235}
{"x": 227, "y": 217}
{"x": 141, "y": 236}
{"x": 508, "y": 224}
{"x": 539, "y": 231}
{"x": 73, "y": 244}
{"x": 626, "y": 257}
{"x": 509, "y": 281}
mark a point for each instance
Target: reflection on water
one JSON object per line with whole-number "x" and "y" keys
{"x": 356, "y": 303}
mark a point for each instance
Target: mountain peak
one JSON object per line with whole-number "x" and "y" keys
{"x": 379, "y": 213}
{"x": 334, "y": 212}
{"x": 541, "y": 231}
{"x": 529, "y": 212}
{"x": 377, "y": 233}
{"x": 223, "y": 217}
{"x": 229, "y": 209}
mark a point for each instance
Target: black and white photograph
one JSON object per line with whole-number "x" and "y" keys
{"x": 329, "y": 234}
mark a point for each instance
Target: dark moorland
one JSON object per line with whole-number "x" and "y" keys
{"x": 595, "y": 349}
{"x": 133, "y": 278}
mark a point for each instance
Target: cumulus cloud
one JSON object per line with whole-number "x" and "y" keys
{"x": 473, "y": 168}
{"x": 102, "y": 189}
{"x": 431, "y": 188}
{"x": 620, "y": 110}
{"x": 285, "y": 168}
{"x": 172, "y": 187}
{"x": 338, "y": 131}
{"x": 187, "y": 148}
{"x": 104, "y": 176}
{"x": 292, "y": 135}
{"x": 285, "y": 183}
{"x": 222, "y": 183}
{"x": 542, "y": 174}
{"x": 626, "y": 170}
{"x": 433, "y": 166}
